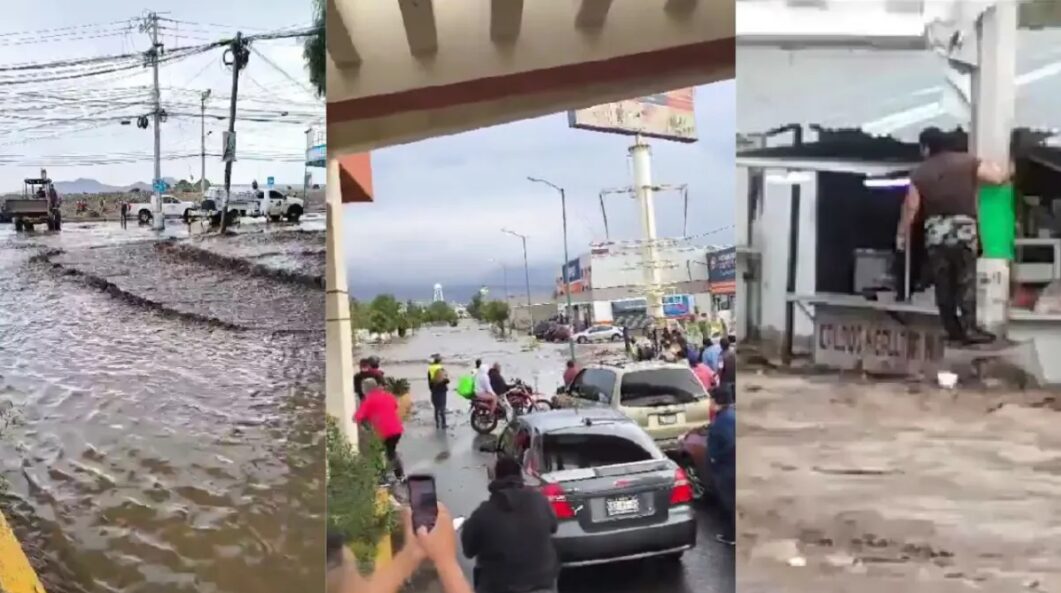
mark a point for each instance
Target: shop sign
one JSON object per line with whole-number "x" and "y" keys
{"x": 677, "y": 305}
{"x": 722, "y": 266}
{"x": 870, "y": 340}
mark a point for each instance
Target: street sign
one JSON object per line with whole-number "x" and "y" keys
{"x": 159, "y": 185}
{"x": 270, "y": 181}
{"x": 228, "y": 139}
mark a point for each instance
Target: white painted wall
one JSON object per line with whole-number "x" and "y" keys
{"x": 770, "y": 236}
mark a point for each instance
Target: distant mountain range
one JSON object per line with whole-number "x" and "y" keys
{"x": 91, "y": 186}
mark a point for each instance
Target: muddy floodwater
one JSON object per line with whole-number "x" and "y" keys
{"x": 855, "y": 485}
{"x": 168, "y": 408}
{"x": 458, "y": 457}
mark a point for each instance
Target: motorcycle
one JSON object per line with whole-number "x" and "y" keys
{"x": 521, "y": 398}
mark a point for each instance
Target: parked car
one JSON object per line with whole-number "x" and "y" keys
{"x": 171, "y": 208}
{"x": 665, "y": 399}
{"x": 616, "y": 495}
{"x": 600, "y": 333}
{"x": 542, "y": 328}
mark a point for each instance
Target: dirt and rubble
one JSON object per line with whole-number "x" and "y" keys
{"x": 856, "y": 484}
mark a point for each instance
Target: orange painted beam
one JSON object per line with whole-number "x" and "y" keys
{"x": 355, "y": 178}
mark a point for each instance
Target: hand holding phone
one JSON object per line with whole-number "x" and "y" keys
{"x": 423, "y": 501}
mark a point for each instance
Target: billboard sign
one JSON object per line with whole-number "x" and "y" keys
{"x": 574, "y": 271}
{"x": 668, "y": 116}
{"x": 722, "y": 266}
{"x": 677, "y": 305}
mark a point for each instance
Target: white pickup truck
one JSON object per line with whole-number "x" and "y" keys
{"x": 269, "y": 202}
{"x": 171, "y": 208}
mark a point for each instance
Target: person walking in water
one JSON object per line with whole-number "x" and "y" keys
{"x": 380, "y": 411}
{"x": 438, "y": 383}
{"x": 125, "y": 213}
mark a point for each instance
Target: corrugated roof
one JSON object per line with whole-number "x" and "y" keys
{"x": 850, "y": 88}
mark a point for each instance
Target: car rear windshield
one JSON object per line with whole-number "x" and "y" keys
{"x": 661, "y": 387}
{"x": 566, "y": 451}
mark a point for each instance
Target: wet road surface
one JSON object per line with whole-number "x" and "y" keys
{"x": 456, "y": 458}
{"x": 168, "y": 436}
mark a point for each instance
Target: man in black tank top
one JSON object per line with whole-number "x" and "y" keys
{"x": 943, "y": 192}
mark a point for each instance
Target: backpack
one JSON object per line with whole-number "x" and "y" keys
{"x": 466, "y": 386}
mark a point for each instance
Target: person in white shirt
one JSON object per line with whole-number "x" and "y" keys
{"x": 483, "y": 390}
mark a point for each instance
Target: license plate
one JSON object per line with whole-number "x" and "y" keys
{"x": 622, "y": 506}
{"x": 667, "y": 419}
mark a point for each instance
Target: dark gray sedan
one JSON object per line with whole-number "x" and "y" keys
{"x": 615, "y": 494}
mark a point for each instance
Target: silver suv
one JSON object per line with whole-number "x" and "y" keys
{"x": 665, "y": 399}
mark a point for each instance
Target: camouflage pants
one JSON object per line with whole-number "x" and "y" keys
{"x": 953, "y": 269}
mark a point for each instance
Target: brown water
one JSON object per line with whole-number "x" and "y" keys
{"x": 155, "y": 450}
{"x": 894, "y": 487}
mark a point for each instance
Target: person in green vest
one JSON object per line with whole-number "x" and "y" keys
{"x": 438, "y": 383}
{"x": 944, "y": 193}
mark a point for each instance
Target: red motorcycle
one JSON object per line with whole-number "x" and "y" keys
{"x": 521, "y": 398}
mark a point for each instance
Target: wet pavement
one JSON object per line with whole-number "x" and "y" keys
{"x": 168, "y": 412}
{"x": 459, "y": 465}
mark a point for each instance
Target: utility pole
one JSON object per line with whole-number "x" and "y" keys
{"x": 159, "y": 220}
{"x": 202, "y": 177}
{"x": 240, "y": 55}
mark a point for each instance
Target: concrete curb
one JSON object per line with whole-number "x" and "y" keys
{"x": 16, "y": 574}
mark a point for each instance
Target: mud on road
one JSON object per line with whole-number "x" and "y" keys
{"x": 169, "y": 414}
{"x": 889, "y": 486}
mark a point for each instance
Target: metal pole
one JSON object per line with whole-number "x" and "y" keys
{"x": 237, "y": 62}
{"x": 567, "y": 280}
{"x": 305, "y": 166}
{"x": 993, "y": 107}
{"x": 526, "y": 266}
{"x": 202, "y": 175}
{"x": 526, "y": 271}
{"x": 567, "y": 257}
{"x": 159, "y": 220}
{"x": 793, "y": 260}
{"x": 642, "y": 161}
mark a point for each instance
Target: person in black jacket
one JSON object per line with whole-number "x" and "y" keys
{"x": 497, "y": 381}
{"x": 510, "y": 536}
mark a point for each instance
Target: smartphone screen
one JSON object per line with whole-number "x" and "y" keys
{"x": 423, "y": 501}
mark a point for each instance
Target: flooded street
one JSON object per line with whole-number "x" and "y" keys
{"x": 888, "y": 486}
{"x": 459, "y": 466}
{"x": 168, "y": 409}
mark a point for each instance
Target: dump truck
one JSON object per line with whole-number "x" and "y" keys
{"x": 39, "y": 204}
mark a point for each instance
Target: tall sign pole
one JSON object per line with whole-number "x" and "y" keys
{"x": 642, "y": 160}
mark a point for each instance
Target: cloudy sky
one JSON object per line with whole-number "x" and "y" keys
{"x": 72, "y": 126}
{"x": 441, "y": 203}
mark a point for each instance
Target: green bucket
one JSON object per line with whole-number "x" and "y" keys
{"x": 997, "y": 221}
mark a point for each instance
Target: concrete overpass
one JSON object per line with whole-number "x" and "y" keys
{"x": 406, "y": 70}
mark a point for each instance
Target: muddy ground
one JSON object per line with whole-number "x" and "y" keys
{"x": 856, "y": 485}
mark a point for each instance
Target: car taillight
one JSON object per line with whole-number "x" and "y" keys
{"x": 683, "y": 490}
{"x": 558, "y": 500}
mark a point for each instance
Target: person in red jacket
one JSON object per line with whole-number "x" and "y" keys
{"x": 380, "y": 411}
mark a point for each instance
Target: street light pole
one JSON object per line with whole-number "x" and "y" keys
{"x": 567, "y": 279}
{"x": 526, "y": 266}
{"x": 202, "y": 114}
